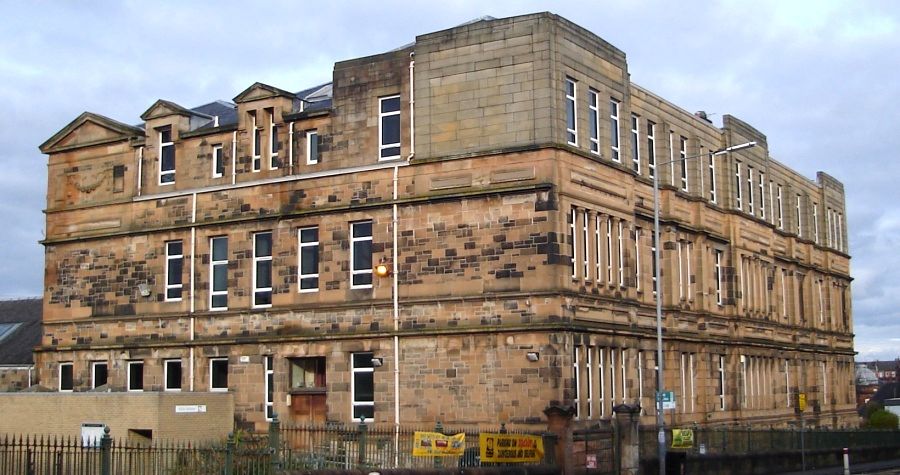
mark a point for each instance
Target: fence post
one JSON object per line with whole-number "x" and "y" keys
{"x": 274, "y": 443}
{"x": 105, "y": 455}
{"x": 229, "y": 454}
{"x": 361, "y": 441}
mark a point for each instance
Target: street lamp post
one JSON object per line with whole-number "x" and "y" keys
{"x": 660, "y": 421}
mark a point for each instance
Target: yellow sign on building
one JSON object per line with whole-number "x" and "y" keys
{"x": 682, "y": 438}
{"x": 506, "y": 448}
{"x": 435, "y": 444}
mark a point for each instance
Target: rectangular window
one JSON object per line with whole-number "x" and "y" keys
{"x": 682, "y": 158}
{"x": 571, "y": 111}
{"x": 389, "y": 127}
{"x": 738, "y": 182}
{"x": 601, "y": 373}
{"x": 172, "y": 375}
{"x": 361, "y": 255}
{"x": 573, "y": 238}
{"x": 799, "y": 217}
{"x": 166, "y": 157}
{"x": 270, "y": 386}
{"x": 821, "y": 301}
{"x": 712, "y": 179}
{"x": 273, "y": 141}
{"x": 589, "y": 350}
{"x": 637, "y": 258}
{"x": 309, "y": 259}
{"x": 218, "y": 161}
{"x": 99, "y": 374}
{"x": 218, "y": 374}
{"x": 576, "y": 377}
{"x": 780, "y": 209}
{"x": 66, "y": 377}
{"x": 828, "y": 227}
{"x": 816, "y": 222}
{"x": 721, "y": 391}
{"x": 362, "y": 386}
{"x": 594, "y": 120}
{"x": 762, "y": 195}
{"x": 256, "y": 143}
{"x": 621, "y": 254}
{"x": 679, "y": 246}
{"x": 584, "y": 245}
{"x": 718, "y": 276}
{"x": 612, "y": 378}
{"x": 840, "y": 233}
{"x": 174, "y": 270}
{"x": 312, "y": 147}
{"x": 672, "y": 157}
{"x": 262, "y": 269}
{"x": 614, "y": 129}
{"x": 135, "y": 376}
{"x": 689, "y": 246}
{"x": 609, "y": 250}
{"x": 218, "y": 271}
{"x": 308, "y": 373}
{"x": 651, "y": 148}
{"x": 750, "y": 186}
{"x": 787, "y": 383}
{"x": 118, "y": 178}
{"x": 635, "y": 144}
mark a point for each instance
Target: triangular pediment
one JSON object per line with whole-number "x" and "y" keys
{"x": 163, "y": 108}
{"x": 90, "y": 129}
{"x": 261, "y": 91}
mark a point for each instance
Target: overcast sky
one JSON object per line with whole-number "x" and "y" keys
{"x": 821, "y": 79}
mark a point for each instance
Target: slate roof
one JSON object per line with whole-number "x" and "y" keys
{"x": 16, "y": 346}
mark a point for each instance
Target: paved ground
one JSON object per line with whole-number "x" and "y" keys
{"x": 884, "y": 467}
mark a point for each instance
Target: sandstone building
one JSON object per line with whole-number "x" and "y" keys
{"x": 500, "y": 171}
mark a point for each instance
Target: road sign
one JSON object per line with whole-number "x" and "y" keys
{"x": 801, "y": 401}
{"x": 667, "y": 398}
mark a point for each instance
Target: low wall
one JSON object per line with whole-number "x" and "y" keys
{"x": 161, "y": 415}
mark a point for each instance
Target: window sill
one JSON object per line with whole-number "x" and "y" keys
{"x": 304, "y": 391}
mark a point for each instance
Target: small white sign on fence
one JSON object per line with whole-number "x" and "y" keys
{"x": 190, "y": 409}
{"x": 91, "y": 433}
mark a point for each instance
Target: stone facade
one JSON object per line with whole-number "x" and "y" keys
{"x": 517, "y": 232}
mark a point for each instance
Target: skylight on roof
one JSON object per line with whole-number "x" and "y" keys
{"x": 6, "y": 329}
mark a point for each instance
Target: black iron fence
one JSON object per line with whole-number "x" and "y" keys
{"x": 310, "y": 447}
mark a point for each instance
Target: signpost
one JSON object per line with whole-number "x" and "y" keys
{"x": 667, "y": 398}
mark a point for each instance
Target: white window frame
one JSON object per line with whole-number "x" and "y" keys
{"x": 598, "y": 249}
{"x": 166, "y": 387}
{"x": 750, "y": 185}
{"x": 672, "y": 157}
{"x": 257, "y": 259}
{"x": 218, "y": 156}
{"x": 651, "y": 148}
{"x": 211, "y": 363}
{"x": 840, "y": 233}
{"x": 787, "y": 383}
{"x": 269, "y": 379}
{"x": 129, "y": 366}
{"x": 614, "y": 144}
{"x": 162, "y": 147}
{"x": 637, "y": 259}
{"x": 821, "y": 301}
{"x": 799, "y": 215}
{"x": 682, "y": 158}
{"x": 572, "y": 101}
{"x": 353, "y": 241}
{"x": 689, "y": 246}
{"x": 172, "y": 257}
{"x": 576, "y": 376}
{"x": 609, "y": 279}
{"x": 94, "y": 365}
{"x": 612, "y": 378}
{"x": 594, "y": 119}
{"x": 721, "y": 395}
{"x": 273, "y": 140}
{"x": 680, "y": 272}
{"x": 623, "y": 361}
{"x": 353, "y": 370}
{"x": 718, "y": 276}
{"x": 713, "y": 195}
{"x": 71, "y": 367}
{"x": 584, "y": 246}
{"x": 601, "y": 373}
{"x": 816, "y": 222}
{"x": 780, "y": 219}
{"x": 255, "y": 143}
{"x": 739, "y": 195}
{"x": 590, "y": 380}
{"x": 620, "y": 254}
{"x": 213, "y": 263}
{"x": 312, "y": 137}
{"x": 762, "y": 195}
{"x": 653, "y": 262}
{"x": 300, "y": 246}
{"x": 636, "y": 143}
{"x": 572, "y": 226}
{"x": 381, "y": 118}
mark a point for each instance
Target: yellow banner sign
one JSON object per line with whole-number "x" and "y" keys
{"x": 434, "y": 444}
{"x": 506, "y": 448}
{"x": 682, "y": 438}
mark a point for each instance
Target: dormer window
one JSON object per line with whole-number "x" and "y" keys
{"x": 166, "y": 156}
{"x": 273, "y": 141}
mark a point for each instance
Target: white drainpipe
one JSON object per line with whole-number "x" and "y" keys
{"x": 191, "y": 296}
{"x": 291, "y": 148}
{"x": 233, "y": 157}
{"x": 140, "y": 167}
